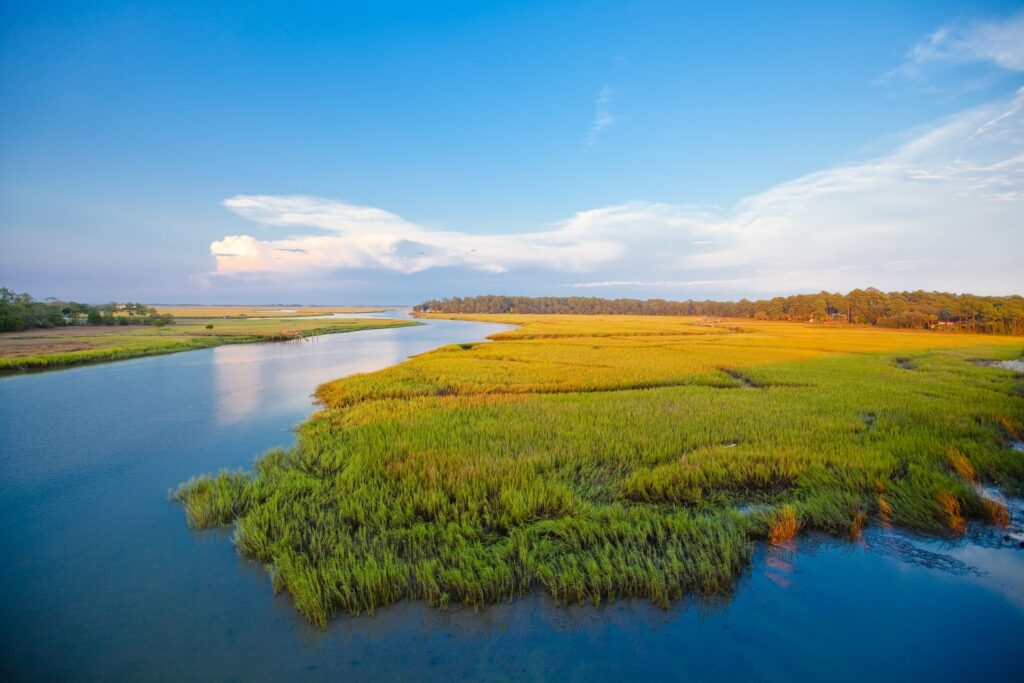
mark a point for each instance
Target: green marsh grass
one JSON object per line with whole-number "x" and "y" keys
{"x": 629, "y": 457}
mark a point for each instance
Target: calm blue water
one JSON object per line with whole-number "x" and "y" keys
{"x": 104, "y": 581}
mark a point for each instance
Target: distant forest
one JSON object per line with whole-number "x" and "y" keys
{"x": 911, "y": 310}
{"x": 21, "y": 312}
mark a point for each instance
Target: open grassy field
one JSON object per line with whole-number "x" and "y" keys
{"x": 598, "y": 457}
{"x": 261, "y": 311}
{"x": 74, "y": 345}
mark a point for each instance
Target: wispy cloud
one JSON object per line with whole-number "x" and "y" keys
{"x": 603, "y": 116}
{"x": 944, "y": 210}
{"x": 997, "y": 42}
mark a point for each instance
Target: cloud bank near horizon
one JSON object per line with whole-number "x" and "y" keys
{"x": 944, "y": 210}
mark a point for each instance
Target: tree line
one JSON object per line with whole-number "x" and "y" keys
{"x": 21, "y": 312}
{"x": 911, "y": 310}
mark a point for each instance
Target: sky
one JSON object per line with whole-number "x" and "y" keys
{"x": 391, "y": 152}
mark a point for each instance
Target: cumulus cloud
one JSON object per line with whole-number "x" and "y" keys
{"x": 945, "y": 210}
{"x": 366, "y": 237}
{"x": 998, "y": 42}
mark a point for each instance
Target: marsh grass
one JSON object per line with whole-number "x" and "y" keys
{"x": 262, "y": 311}
{"x": 611, "y": 461}
{"x": 998, "y": 514}
{"x": 785, "y": 526}
{"x": 64, "y": 347}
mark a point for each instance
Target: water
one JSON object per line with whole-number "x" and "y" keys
{"x": 1015, "y": 365}
{"x": 104, "y": 581}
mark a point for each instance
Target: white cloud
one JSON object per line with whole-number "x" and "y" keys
{"x": 945, "y": 211}
{"x": 603, "y": 116}
{"x": 366, "y": 237}
{"x": 998, "y": 42}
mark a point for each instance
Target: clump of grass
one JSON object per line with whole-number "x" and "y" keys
{"x": 213, "y": 501}
{"x": 597, "y": 459}
{"x": 961, "y": 465}
{"x": 952, "y": 509}
{"x": 860, "y": 520}
{"x": 884, "y": 511}
{"x": 997, "y": 513}
{"x": 785, "y": 526}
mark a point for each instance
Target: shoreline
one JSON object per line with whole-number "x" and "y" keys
{"x": 62, "y": 360}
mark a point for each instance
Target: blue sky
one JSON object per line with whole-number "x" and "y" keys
{"x": 389, "y": 152}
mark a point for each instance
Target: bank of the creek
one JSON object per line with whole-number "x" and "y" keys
{"x": 104, "y": 581}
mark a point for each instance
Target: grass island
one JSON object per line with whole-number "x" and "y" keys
{"x": 605, "y": 456}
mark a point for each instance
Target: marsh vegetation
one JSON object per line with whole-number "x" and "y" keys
{"x": 898, "y": 310}
{"x": 276, "y": 311}
{"x": 605, "y": 456}
{"x": 42, "y": 349}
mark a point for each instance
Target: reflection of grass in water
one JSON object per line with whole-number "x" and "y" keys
{"x": 610, "y": 461}
{"x": 62, "y": 347}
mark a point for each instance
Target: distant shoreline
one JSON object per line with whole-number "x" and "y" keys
{"x": 174, "y": 339}
{"x": 242, "y": 311}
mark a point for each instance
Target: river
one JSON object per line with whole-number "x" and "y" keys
{"x": 104, "y": 581}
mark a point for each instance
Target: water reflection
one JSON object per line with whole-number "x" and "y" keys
{"x": 236, "y": 379}
{"x": 780, "y": 563}
{"x": 253, "y": 379}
